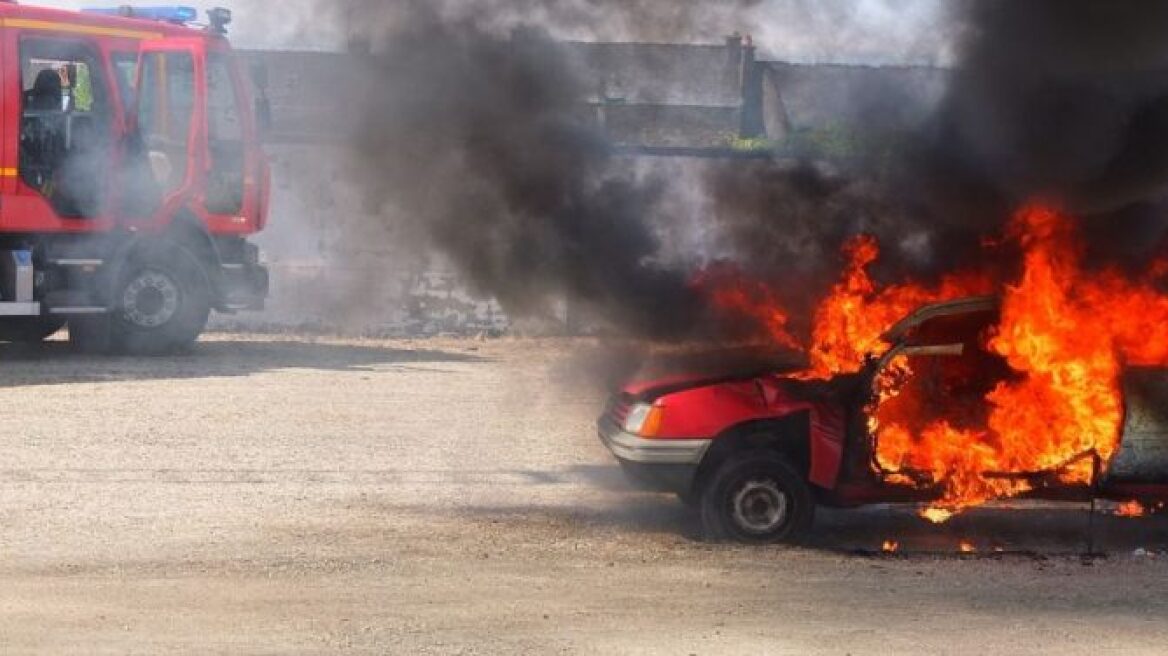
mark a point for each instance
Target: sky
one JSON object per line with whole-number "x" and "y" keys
{"x": 842, "y": 31}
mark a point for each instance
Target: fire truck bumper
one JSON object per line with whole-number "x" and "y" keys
{"x": 657, "y": 465}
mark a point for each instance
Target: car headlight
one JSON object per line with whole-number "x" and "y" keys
{"x": 644, "y": 420}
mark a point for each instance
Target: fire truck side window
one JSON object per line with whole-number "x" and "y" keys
{"x": 65, "y": 131}
{"x": 165, "y": 109}
{"x": 225, "y": 136}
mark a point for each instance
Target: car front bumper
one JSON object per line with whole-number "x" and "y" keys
{"x": 658, "y": 465}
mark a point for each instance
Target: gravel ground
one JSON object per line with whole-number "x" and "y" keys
{"x": 285, "y": 495}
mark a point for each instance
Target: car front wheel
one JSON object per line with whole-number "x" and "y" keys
{"x": 757, "y": 498}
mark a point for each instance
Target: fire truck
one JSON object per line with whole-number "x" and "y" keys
{"x": 131, "y": 177}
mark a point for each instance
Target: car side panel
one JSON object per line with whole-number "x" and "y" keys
{"x": 708, "y": 412}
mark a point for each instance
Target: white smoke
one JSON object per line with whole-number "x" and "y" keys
{"x": 812, "y": 31}
{"x": 868, "y": 32}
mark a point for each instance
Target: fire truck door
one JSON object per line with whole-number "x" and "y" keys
{"x": 169, "y": 114}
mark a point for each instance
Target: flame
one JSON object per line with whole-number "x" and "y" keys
{"x": 937, "y": 515}
{"x": 734, "y": 293}
{"x": 966, "y": 547}
{"x": 851, "y": 322}
{"x": 1131, "y": 509}
{"x": 890, "y": 546}
{"x": 1065, "y": 334}
{"x": 1034, "y": 400}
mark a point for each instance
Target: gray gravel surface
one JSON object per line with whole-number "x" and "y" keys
{"x": 283, "y": 495}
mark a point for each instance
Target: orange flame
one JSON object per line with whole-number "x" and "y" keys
{"x": 1065, "y": 333}
{"x": 734, "y": 293}
{"x": 1131, "y": 509}
{"x": 890, "y": 546}
{"x": 851, "y": 322}
{"x": 967, "y": 547}
{"x": 1042, "y": 405}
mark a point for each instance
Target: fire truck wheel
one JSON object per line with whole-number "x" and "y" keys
{"x": 162, "y": 302}
{"x": 757, "y": 498}
{"x": 29, "y": 330}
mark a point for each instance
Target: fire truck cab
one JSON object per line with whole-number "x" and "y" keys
{"x": 131, "y": 176}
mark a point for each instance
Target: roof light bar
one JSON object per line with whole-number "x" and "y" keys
{"x": 179, "y": 15}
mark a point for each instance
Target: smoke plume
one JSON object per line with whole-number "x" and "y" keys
{"x": 475, "y": 139}
{"x": 1060, "y": 100}
{"x": 472, "y": 135}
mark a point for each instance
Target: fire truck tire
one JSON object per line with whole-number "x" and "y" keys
{"x": 162, "y": 302}
{"x": 29, "y": 330}
{"x": 757, "y": 497}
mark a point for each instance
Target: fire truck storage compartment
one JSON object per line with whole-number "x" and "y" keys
{"x": 1143, "y": 454}
{"x": 17, "y": 280}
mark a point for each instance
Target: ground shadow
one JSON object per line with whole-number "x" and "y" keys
{"x": 1004, "y": 527}
{"x": 865, "y": 533}
{"x": 1023, "y": 528}
{"x": 55, "y": 362}
{"x": 1026, "y": 528}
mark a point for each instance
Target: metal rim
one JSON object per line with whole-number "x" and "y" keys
{"x": 759, "y": 506}
{"x": 151, "y": 299}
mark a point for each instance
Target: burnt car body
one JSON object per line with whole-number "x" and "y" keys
{"x": 756, "y": 454}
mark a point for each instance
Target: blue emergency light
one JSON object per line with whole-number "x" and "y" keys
{"x": 179, "y": 15}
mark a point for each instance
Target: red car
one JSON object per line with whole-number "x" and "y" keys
{"x": 756, "y": 454}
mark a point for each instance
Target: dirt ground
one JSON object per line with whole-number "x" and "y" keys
{"x": 290, "y": 495}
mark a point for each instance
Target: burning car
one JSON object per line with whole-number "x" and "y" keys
{"x": 757, "y": 454}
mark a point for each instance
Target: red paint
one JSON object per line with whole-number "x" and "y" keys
{"x": 710, "y": 411}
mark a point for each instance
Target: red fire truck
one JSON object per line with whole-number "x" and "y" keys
{"x": 131, "y": 176}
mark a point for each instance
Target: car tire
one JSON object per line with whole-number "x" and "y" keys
{"x": 162, "y": 302}
{"x": 757, "y": 498}
{"x": 29, "y": 330}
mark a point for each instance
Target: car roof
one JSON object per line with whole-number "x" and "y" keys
{"x": 971, "y": 305}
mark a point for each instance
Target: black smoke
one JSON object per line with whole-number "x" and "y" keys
{"x": 1062, "y": 101}
{"x": 476, "y": 140}
{"x": 1057, "y": 101}
{"x": 473, "y": 136}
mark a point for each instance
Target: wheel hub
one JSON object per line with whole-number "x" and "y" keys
{"x": 760, "y": 506}
{"x": 150, "y": 300}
